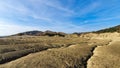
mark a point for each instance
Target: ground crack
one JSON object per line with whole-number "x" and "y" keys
{"x": 91, "y": 55}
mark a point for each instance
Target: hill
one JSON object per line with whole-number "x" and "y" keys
{"x": 109, "y": 30}
{"x": 41, "y": 33}
{"x": 52, "y": 33}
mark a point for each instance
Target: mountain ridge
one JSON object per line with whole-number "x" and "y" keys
{"x": 109, "y": 30}
{"x": 41, "y": 33}
{"x": 53, "y": 33}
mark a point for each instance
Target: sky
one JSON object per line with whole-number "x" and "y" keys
{"x": 57, "y": 15}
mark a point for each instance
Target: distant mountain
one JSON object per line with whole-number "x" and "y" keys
{"x": 41, "y": 33}
{"x": 110, "y": 30}
{"x": 52, "y": 33}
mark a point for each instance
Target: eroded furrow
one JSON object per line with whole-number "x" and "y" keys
{"x": 11, "y": 56}
{"x": 88, "y": 65}
{"x": 74, "y": 56}
{"x": 71, "y": 56}
{"x": 89, "y": 56}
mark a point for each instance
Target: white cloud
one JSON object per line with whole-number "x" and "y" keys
{"x": 41, "y": 18}
{"x": 39, "y": 10}
{"x": 105, "y": 19}
{"x": 52, "y": 3}
{"x": 59, "y": 7}
{"x": 19, "y": 10}
{"x": 89, "y": 8}
{"x": 7, "y": 28}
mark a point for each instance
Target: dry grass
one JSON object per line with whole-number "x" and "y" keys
{"x": 39, "y": 39}
{"x": 106, "y": 56}
{"x": 12, "y": 48}
{"x": 74, "y": 56}
{"x": 52, "y": 52}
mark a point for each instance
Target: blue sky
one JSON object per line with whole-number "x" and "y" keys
{"x": 57, "y": 15}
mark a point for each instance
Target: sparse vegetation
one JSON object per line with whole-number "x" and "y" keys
{"x": 40, "y": 33}
{"x": 110, "y": 30}
{"x": 18, "y": 46}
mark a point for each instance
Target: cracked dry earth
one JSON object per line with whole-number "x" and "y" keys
{"x": 95, "y": 53}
